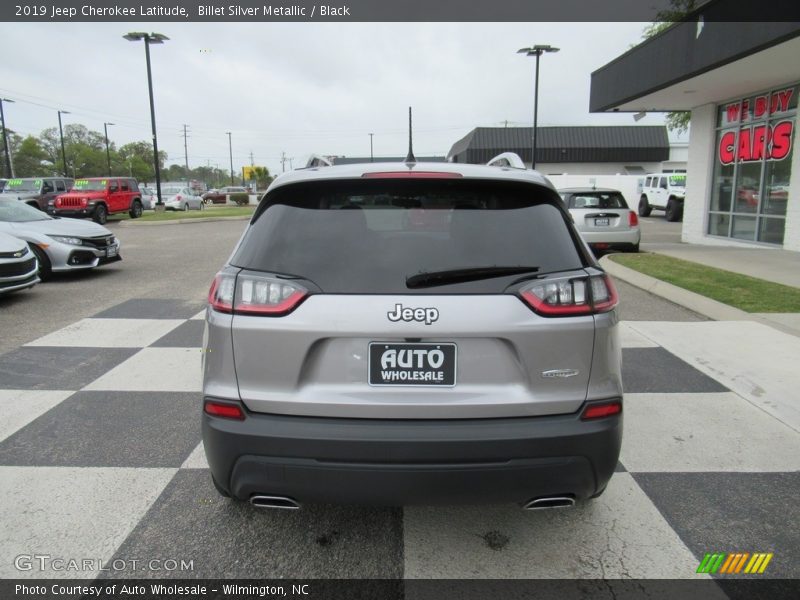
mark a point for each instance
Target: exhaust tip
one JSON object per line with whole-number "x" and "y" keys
{"x": 550, "y": 502}
{"x": 280, "y": 502}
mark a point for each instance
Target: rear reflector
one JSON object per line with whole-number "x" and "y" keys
{"x": 226, "y": 411}
{"x": 571, "y": 296}
{"x": 633, "y": 219}
{"x": 411, "y": 175}
{"x": 599, "y": 411}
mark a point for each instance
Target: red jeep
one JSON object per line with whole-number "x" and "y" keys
{"x": 98, "y": 197}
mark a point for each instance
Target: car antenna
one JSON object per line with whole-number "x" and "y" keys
{"x": 410, "y": 158}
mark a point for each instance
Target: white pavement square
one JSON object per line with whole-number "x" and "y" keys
{"x": 109, "y": 333}
{"x": 630, "y": 338}
{"x": 621, "y": 534}
{"x": 20, "y": 407}
{"x": 71, "y": 513}
{"x": 154, "y": 370}
{"x": 753, "y": 360}
{"x": 197, "y": 459}
{"x": 199, "y": 316}
{"x": 704, "y": 432}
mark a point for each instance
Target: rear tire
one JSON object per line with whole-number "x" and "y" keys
{"x": 45, "y": 268}
{"x": 644, "y": 207}
{"x": 634, "y": 248}
{"x": 100, "y": 214}
{"x": 136, "y": 210}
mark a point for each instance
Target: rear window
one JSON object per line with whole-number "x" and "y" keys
{"x": 368, "y": 236}
{"x": 597, "y": 200}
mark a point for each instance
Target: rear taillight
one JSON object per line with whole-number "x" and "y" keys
{"x": 224, "y": 410}
{"x": 571, "y": 296}
{"x": 601, "y": 410}
{"x": 254, "y": 295}
{"x": 633, "y": 219}
{"x": 220, "y": 296}
{"x": 178, "y": 197}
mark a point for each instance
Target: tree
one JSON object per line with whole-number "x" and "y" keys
{"x": 677, "y": 120}
{"x": 30, "y": 159}
{"x": 136, "y": 159}
{"x": 263, "y": 178}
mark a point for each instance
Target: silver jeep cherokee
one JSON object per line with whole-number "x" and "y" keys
{"x": 411, "y": 333}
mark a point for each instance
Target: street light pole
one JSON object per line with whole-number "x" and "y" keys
{"x": 371, "y": 159}
{"x": 537, "y": 52}
{"x": 230, "y": 150}
{"x": 108, "y": 153}
{"x": 151, "y": 38}
{"x": 61, "y": 133}
{"x": 9, "y": 170}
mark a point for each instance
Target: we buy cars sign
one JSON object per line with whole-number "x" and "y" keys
{"x": 771, "y": 141}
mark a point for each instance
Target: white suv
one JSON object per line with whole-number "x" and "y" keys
{"x": 663, "y": 191}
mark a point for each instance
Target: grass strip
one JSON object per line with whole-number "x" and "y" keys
{"x": 741, "y": 291}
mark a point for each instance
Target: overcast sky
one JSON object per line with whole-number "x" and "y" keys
{"x": 303, "y": 88}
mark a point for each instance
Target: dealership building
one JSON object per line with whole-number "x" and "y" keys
{"x": 741, "y": 82}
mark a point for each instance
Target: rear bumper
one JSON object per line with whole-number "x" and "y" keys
{"x": 402, "y": 462}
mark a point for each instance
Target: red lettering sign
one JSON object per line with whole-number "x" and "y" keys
{"x": 762, "y": 105}
{"x": 757, "y": 143}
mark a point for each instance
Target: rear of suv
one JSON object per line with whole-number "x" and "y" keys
{"x": 663, "y": 191}
{"x": 411, "y": 334}
{"x": 98, "y": 197}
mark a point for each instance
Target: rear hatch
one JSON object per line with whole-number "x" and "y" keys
{"x": 597, "y": 212}
{"x": 410, "y": 299}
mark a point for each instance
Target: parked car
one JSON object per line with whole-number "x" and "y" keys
{"x": 663, "y": 191}
{"x": 59, "y": 244}
{"x": 357, "y": 354}
{"x": 149, "y": 197}
{"x": 18, "y": 267}
{"x": 181, "y": 198}
{"x": 39, "y": 192}
{"x": 603, "y": 218}
{"x": 220, "y": 196}
{"x": 98, "y": 197}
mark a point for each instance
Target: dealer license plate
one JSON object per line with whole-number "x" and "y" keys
{"x": 111, "y": 251}
{"x": 412, "y": 364}
{"x": 601, "y": 222}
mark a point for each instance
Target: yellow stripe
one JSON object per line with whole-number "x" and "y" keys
{"x": 760, "y": 557}
{"x": 727, "y": 563}
{"x": 741, "y": 562}
{"x": 765, "y": 563}
{"x": 752, "y": 564}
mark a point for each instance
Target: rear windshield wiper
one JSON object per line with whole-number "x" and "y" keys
{"x": 434, "y": 278}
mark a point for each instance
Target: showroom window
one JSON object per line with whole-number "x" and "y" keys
{"x": 753, "y": 166}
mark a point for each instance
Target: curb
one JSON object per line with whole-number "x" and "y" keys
{"x": 182, "y": 221}
{"x": 716, "y": 311}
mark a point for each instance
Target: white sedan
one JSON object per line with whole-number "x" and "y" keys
{"x": 181, "y": 198}
{"x": 603, "y": 218}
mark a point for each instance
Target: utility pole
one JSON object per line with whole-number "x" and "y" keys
{"x": 371, "y": 158}
{"x": 230, "y": 150}
{"x": 283, "y": 162}
{"x": 9, "y": 169}
{"x": 186, "y": 152}
{"x": 108, "y": 153}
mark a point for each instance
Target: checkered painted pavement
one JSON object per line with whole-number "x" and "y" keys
{"x": 100, "y": 457}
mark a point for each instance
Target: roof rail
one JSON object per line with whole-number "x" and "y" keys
{"x": 315, "y": 160}
{"x": 507, "y": 159}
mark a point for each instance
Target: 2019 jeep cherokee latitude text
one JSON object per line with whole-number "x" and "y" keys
{"x": 411, "y": 334}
